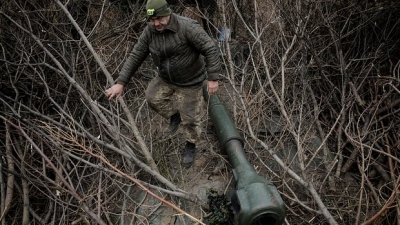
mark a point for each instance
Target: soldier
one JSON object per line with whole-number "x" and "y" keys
{"x": 185, "y": 56}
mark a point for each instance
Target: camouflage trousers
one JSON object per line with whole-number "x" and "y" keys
{"x": 168, "y": 99}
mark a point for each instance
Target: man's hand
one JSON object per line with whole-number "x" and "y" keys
{"x": 115, "y": 91}
{"x": 212, "y": 87}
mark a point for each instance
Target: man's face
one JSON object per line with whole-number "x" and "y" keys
{"x": 159, "y": 22}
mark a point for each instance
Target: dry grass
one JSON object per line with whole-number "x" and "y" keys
{"x": 313, "y": 87}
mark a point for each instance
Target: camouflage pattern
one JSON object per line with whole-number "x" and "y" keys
{"x": 187, "y": 100}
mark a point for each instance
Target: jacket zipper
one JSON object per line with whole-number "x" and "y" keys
{"x": 165, "y": 54}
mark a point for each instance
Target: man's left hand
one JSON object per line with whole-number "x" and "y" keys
{"x": 212, "y": 86}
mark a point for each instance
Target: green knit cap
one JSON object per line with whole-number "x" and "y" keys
{"x": 157, "y": 8}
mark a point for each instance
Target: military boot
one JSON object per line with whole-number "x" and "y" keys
{"x": 174, "y": 122}
{"x": 188, "y": 158}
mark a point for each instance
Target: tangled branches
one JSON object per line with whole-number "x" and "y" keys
{"x": 314, "y": 87}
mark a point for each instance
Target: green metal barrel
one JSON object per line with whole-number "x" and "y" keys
{"x": 256, "y": 200}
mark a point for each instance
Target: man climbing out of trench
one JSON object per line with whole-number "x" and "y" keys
{"x": 186, "y": 57}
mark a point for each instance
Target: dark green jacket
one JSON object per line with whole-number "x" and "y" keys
{"x": 183, "y": 53}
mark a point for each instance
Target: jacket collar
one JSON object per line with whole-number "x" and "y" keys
{"x": 171, "y": 26}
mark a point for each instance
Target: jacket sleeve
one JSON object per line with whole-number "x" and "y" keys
{"x": 136, "y": 57}
{"x": 198, "y": 37}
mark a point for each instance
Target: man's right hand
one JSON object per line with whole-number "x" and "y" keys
{"x": 115, "y": 91}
